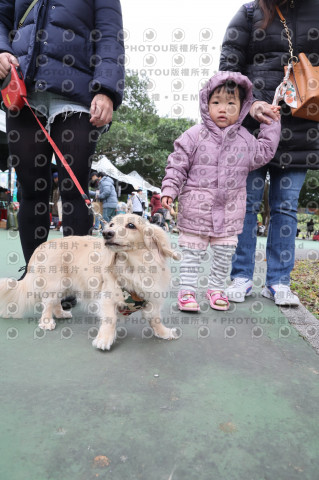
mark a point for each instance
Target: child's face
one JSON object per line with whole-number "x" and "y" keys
{"x": 224, "y": 108}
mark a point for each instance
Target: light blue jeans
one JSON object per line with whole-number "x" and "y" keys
{"x": 285, "y": 186}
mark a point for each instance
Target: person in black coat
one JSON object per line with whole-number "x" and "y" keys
{"x": 71, "y": 55}
{"x": 310, "y": 228}
{"x": 256, "y": 45}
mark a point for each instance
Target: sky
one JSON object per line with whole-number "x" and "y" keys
{"x": 176, "y": 45}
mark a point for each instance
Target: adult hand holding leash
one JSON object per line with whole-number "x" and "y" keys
{"x": 101, "y": 110}
{"x": 6, "y": 59}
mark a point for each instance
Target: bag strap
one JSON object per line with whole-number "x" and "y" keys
{"x": 26, "y": 13}
{"x": 282, "y": 18}
{"x": 293, "y": 59}
{"x": 283, "y": 21}
{"x": 140, "y": 200}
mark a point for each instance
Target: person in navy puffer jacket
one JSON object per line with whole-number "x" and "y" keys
{"x": 71, "y": 55}
{"x": 207, "y": 172}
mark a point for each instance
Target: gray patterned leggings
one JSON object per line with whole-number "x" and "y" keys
{"x": 190, "y": 267}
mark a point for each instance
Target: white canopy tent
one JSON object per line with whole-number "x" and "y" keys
{"x": 144, "y": 184}
{"x": 106, "y": 166}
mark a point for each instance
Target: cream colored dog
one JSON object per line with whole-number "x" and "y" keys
{"x": 132, "y": 256}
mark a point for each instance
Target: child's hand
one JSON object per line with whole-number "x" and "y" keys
{"x": 276, "y": 110}
{"x": 166, "y": 202}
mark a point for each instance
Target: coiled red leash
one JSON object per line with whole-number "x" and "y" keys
{"x": 14, "y": 95}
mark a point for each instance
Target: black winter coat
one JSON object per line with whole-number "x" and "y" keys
{"x": 261, "y": 55}
{"x": 70, "y": 47}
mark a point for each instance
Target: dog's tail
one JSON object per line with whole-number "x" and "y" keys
{"x": 15, "y": 298}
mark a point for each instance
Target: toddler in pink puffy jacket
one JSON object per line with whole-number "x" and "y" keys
{"x": 207, "y": 172}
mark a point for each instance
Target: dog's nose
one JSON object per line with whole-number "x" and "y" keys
{"x": 107, "y": 234}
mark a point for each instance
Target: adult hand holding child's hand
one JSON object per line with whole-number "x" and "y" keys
{"x": 263, "y": 112}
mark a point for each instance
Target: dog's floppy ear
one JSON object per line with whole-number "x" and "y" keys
{"x": 108, "y": 259}
{"x": 156, "y": 239}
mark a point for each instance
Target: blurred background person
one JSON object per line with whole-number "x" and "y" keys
{"x": 55, "y": 196}
{"x": 138, "y": 203}
{"x": 107, "y": 195}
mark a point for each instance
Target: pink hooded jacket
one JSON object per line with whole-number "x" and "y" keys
{"x": 209, "y": 166}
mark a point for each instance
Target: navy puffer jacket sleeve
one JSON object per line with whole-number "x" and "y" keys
{"x": 74, "y": 47}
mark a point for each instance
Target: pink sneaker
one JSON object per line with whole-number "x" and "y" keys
{"x": 217, "y": 300}
{"x": 187, "y": 301}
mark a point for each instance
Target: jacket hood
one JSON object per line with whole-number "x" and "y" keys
{"x": 215, "y": 81}
{"x": 107, "y": 179}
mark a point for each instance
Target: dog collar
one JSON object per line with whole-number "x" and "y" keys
{"x": 132, "y": 303}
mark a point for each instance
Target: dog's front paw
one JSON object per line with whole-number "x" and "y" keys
{"x": 163, "y": 332}
{"x": 47, "y": 324}
{"x": 103, "y": 341}
{"x": 170, "y": 334}
{"x": 174, "y": 334}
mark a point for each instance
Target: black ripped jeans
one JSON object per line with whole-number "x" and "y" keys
{"x": 31, "y": 155}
